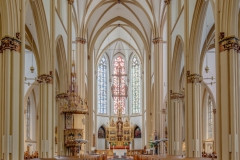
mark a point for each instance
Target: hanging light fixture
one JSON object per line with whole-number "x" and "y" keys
{"x": 32, "y": 75}
{"x": 206, "y": 68}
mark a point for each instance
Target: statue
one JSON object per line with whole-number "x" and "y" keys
{"x": 112, "y": 123}
{"x": 119, "y": 127}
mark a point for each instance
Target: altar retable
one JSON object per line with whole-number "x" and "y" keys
{"x": 119, "y": 133}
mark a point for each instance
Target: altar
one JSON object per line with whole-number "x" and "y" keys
{"x": 120, "y": 152}
{"x": 119, "y": 133}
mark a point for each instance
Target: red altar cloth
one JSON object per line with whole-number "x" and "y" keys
{"x": 119, "y": 147}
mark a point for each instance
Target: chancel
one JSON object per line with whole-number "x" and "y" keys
{"x": 119, "y": 79}
{"x": 119, "y": 132}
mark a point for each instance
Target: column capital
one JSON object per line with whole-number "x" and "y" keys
{"x": 11, "y": 43}
{"x": 167, "y": 2}
{"x": 81, "y": 40}
{"x": 70, "y": 2}
{"x": 177, "y": 96}
{"x": 214, "y": 111}
{"x": 194, "y": 78}
{"x": 229, "y": 42}
{"x": 157, "y": 40}
{"x": 45, "y": 78}
{"x": 61, "y": 96}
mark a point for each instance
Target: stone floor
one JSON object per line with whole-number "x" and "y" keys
{"x": 150, "y": 157}
{"x": 166, "y": 157}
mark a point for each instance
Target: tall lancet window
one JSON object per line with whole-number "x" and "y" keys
{"x": 135, "y": 85}
{"x": 102, "y": 86}
{"x": 210, "y": 118}
{"x": 28, "y": 119}
{"x": 119, "y": 87}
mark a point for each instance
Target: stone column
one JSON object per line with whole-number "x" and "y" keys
{"x": 193, "y": 118}
{"x": 157, "y": 118}
{"x": 228, "y": 103}
{"x": 162, "y": 129}
{"x": 227, "y": 78}
{"x": 22, "y": 78}
{"x": 53, "y": 89}
{"x": 81, "y": 60}
{"x": 158, "y": 87}
{"x": 169, "y": 68}
{"x": 2, "y": 108}
{"x": 214, "y": 129}
{"x": 45, "y": 116}
{"x": 69, "y": 39}
{"x": 12, "y": 89}
{"x": 61, "y": 99}
{"x": 147, "y": 99}
{"x": 91, "y": 100}
{"x": 176, "y": 123}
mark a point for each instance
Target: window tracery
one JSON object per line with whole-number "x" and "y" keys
{"x": 210, "y": 118}
{"x": 102, "y": 86}
{"x": 28, "y": 119}
{"x": 135, "y": 85}
{"x": 119, "y": 87}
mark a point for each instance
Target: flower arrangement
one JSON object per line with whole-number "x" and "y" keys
{"x": 151, "y": 144}
{"x": 113, "y": 144}
{"x": 125, "y": 143}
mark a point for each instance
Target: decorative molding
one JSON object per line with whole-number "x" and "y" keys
{"x": 45, "y": 78}
{"x": 157, "y": 40}
{"x": 18, "y": 35}
{"x": 214, "y": 111}
{"x": 61, "y": 96}
{"x": 227, "y": 43}
{"x": 70, "y": 2}
{"x": 167, "y": 2}
{"x": 194, "y": 78}
{"x": 176, "y": 96}
{"x": 10, "y": 43}
{"x": 81, "y": 40}
{"x": 70, "y": 136}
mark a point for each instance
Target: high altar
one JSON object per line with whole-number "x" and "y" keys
{"x": 119, "y": 133}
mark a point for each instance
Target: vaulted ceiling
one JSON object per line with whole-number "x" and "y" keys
{"x": 113, "y": 25}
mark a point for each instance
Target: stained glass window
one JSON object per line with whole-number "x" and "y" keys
{"x": 119, "y": 87}
{"x": 102, "y": 86}
{"x": 210, "y": 118}
{"x": 28, "y": 119}
{"x": 135, "y": 85}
